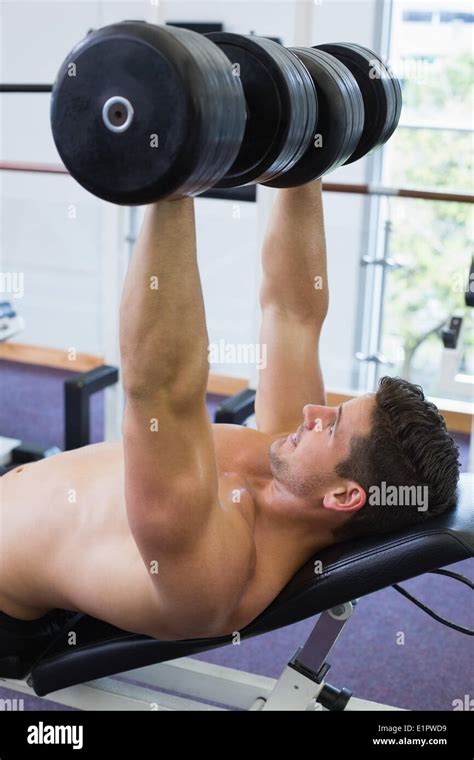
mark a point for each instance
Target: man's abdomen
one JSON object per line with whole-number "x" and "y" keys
{"x": 65, "y": 540}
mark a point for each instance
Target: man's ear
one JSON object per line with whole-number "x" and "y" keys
{"x": 347, "y": 497}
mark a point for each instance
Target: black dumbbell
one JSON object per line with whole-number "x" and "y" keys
{"x": 281, "y": 103}
{"x": 141, "y": 112}
{"x": 360, "y": 103}
{"x": 381, "y": 93}
{"x": 358, "y": 109}
{"x": 340, "y": 123}
{"x": 153, "y": 112}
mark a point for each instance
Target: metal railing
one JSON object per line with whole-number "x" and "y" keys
{"x": 328, "y": 187}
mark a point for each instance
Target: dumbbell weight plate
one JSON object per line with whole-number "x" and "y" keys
{"x": 341, "y": 117}
{"x": 355, "y": 105}
{"x": 141, "y": 112}
{"x": 380, "y": 91}
{"x": 380, "y": 69}
{"x": 398, "y": 106}
{"x": 303, "y": 112}
{"x": 281, "y": 107}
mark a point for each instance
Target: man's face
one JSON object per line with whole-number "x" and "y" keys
{"x": 305, "y": 461}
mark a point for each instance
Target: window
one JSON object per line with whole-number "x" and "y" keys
{"x": 427, "y": 245}
{"x": 444, "y": 17}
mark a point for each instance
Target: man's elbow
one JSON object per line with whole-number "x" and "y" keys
{"x": 306, "y": 304}
{"x": 179, "y": 390}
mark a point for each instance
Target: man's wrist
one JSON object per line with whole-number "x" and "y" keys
{"x": 310, "y": 188}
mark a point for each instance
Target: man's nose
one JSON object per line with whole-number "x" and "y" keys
{"x": 313, "y": 412}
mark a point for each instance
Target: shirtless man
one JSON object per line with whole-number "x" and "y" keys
{"x": 190, "y": 530}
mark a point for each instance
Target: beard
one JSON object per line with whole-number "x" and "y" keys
{"x": 283, "y": 472}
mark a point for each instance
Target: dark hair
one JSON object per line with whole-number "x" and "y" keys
{"x": 408, "y": 445}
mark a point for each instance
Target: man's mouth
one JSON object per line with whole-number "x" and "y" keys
{"x": 295, "y": 438}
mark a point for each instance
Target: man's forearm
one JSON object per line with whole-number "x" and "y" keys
{"x": 294, "y": 254}
{"x": 163, "y": 335}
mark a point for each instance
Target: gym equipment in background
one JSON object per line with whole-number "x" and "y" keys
{"x": 10, "y": 321}
{"x": 78, "y": 390}
{"x": 452, "y": 382}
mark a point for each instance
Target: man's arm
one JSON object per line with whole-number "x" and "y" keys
{"x": 185, "y": 538}
{"x": 294, "y": 300}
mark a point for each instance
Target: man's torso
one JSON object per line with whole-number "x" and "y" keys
{"x": 65, "y": 540}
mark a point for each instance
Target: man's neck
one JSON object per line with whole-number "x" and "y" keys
{"x": 283, "y": 528}
{"x": 296, "y": 533}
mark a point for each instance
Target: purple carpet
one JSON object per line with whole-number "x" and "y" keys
{"x": 432, "y": 667}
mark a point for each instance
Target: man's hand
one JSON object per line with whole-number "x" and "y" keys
{"x": 294, "y": 300}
